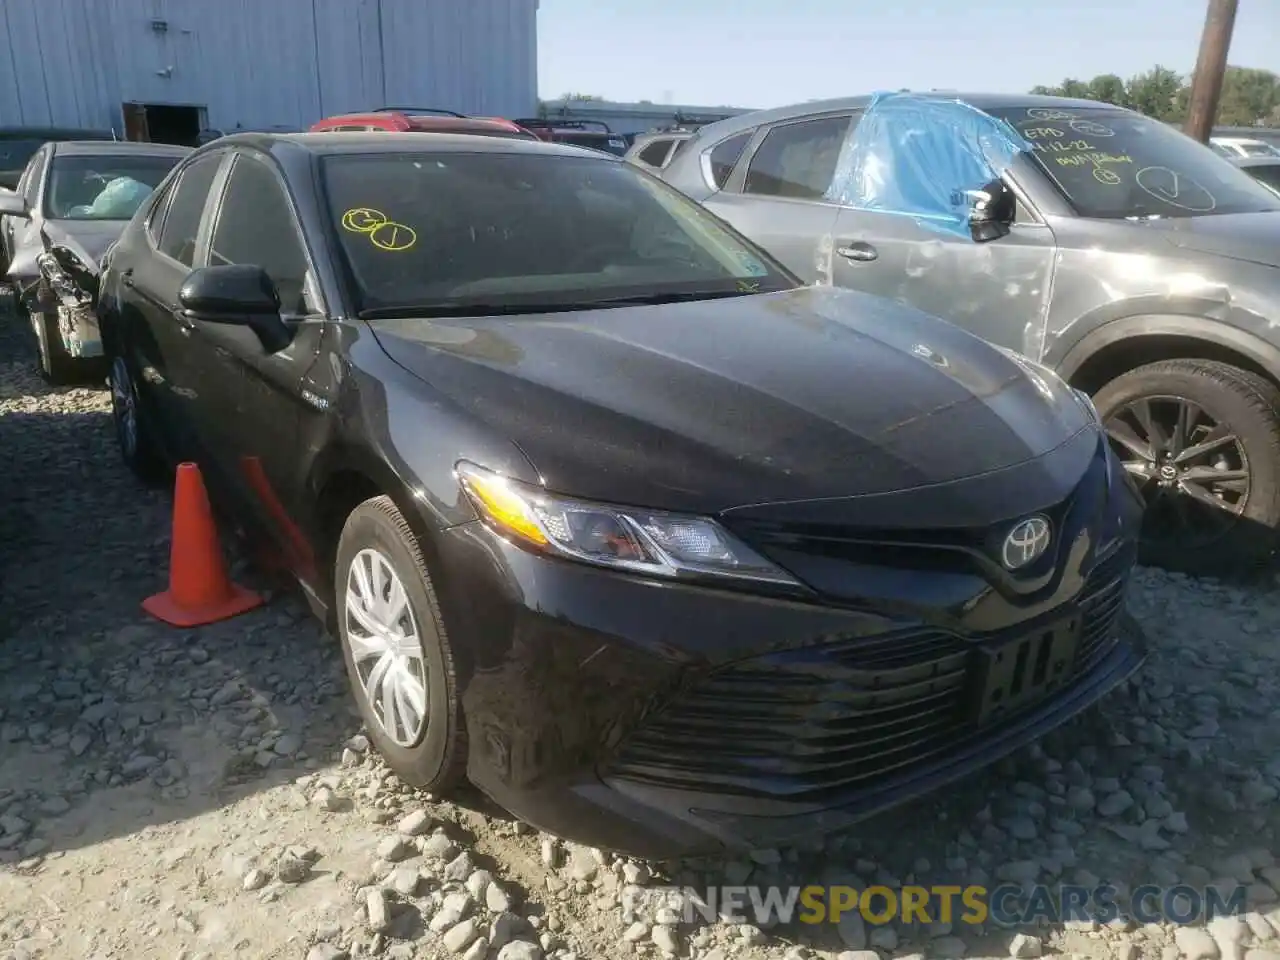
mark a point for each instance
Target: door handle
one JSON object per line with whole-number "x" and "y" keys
{"x": 127, "y": 277}
{"x": 862, "y": 252}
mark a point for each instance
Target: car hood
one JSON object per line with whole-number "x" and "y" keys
{"x": 811, "y": 393}
{"x": 1249, "y": 237}
{"x": 88, "y": 239}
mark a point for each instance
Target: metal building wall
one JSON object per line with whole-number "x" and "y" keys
{"x": 261, "y": 64}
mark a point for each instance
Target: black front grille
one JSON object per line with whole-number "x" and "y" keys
{"x": 814, "y": 723}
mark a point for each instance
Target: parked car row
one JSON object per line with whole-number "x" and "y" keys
{"x": 708, "y": 502}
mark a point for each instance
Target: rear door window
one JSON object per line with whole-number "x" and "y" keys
{"x": 655, "y": 153}
{"x": 798, "y": 160}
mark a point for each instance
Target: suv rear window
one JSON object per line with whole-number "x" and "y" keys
{"x": 725, "y": 156}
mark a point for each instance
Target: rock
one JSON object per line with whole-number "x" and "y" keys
{"x": 288, "y": 745}
{"x": 884, "y": 937}
{"x": 1195, "y": 943}
{"x": 497, "y": 899}
{"x": 506, "y": 928}
{"x": 1261, "y": 954}
{"x": 415, "y": 824}
{"x": 325, "y": 799}
{"x": 326, "y": 951}
{"x": 766, "y": 857}
{"x": 520, "y": 950}
{"x": 948, "y": 948}
{"x": 459, "y": 868}
{"x": 394, "y": 849}
{"x": 378, "y": 910}
{"x": 478, "y": 950}
{"x": 460, "y": 936}
{"x": 1024, "y": 947}
{"x": 859, "y": 955}
{"x": 255, "y": 879}
{"x": 438, "y": 846}
{"x": 665, "y": 939}
{"x": 405, "y": 881}
{"x": 1115, "y": 804}
{"x": 292, "y": 869}
{"x": 852, "y": 930}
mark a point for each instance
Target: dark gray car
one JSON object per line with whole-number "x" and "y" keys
{"x": 74, "y": 196}
{"x": 1266, "y": 170}
{"x": 1129, "y": 258}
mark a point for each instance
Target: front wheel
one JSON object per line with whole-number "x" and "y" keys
{"x": 138, "y": 448}
{"x": 1201, "y": 440}
{"x": 397, "y": 651}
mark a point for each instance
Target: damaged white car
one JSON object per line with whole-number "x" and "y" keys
{"x": 72, "y": 202}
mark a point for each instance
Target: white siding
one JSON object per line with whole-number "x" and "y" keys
{"x": 260, "y": 64}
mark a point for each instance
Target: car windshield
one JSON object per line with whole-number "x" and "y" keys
{"x": 1256, "y": 148}
{"x": 102, "y": 187}
{"x": 507, "y": 230}
{"x": 1113, "y": 164}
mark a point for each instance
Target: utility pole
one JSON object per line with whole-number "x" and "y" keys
{"x": 1211, "y": 67}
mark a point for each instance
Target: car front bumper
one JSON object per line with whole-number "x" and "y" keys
{"x": 660, "y": 719}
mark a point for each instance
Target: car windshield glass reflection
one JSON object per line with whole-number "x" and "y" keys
{"x": 1114, "y": 164}
{"x": 103, "y": 187}
{"x": 515, "y": 229}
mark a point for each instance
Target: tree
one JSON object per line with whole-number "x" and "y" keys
{"x": 1249, "y": 96}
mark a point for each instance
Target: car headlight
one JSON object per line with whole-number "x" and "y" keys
{"x": 624, "y": 538}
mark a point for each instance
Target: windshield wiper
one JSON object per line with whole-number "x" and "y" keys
{"x": 447, "y": 308}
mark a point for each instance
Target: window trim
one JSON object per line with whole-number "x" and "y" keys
{"x": 311, "y": 286}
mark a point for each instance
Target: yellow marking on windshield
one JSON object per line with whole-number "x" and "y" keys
{"x": 384, "y": 234}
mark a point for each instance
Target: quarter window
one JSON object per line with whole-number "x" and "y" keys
{"x": 725, "y": 155}
{"x": 182, "y": 224}
{"x": 256, "y": 225}
{"x": 798, "y": 160}
{"x": 655, "y": 154}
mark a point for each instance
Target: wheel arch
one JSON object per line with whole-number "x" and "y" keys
{"x": 1123, "y": 345}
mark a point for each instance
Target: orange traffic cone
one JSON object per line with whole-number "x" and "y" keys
{"x": 200, "y": 591}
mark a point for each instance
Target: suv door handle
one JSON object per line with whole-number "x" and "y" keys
{"x": 127, "y": 277}
{"x": 862, "y": 252}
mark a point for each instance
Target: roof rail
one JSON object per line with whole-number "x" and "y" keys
{"x": 555, "y": 123}
{"x": 433, "y": 110}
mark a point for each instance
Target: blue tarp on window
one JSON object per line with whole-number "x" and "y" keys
{"x": 919, "y": 156}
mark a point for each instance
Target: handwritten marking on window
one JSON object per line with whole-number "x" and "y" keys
{"x": 383, "y": 233}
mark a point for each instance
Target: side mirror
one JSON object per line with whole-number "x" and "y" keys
{"x": 13, "y": 204}
{"x": 239, "y": 295}
{"x": 992, "y": 211}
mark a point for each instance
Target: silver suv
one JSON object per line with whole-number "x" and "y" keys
{"x": 1134, "y": 261}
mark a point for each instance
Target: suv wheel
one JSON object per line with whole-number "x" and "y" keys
{"x": 1201, "y": 440}
{"x": 138, "y": 448}
{"x": 397, "y": 651}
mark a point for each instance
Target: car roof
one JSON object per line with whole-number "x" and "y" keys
{"x": 983, "y": 101}
{"x": 111, "y": 148}
{"x": 327, "y": 143}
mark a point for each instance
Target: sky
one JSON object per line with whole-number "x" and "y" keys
{"x": 766, "y": 53}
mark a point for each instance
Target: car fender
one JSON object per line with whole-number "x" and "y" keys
{"x": 1070, "y": 360}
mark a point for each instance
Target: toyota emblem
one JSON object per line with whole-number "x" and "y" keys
{"x": 1025, "y": 543}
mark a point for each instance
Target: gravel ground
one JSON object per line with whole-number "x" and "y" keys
{"x": 208, "y": 793}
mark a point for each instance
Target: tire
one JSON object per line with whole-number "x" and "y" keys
{"x": 138, "y": 448}
{"x": 56, "y": 365}
{"x": 434, "y": 760}
{"x": 1248, "y": 406}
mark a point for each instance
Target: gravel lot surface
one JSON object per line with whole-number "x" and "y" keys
{"x": 208, "y": 794}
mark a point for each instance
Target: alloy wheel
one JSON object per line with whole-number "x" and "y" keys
{"x": 1191, "y": 470}
{"x": 124, "y": 408}
{"x": 386, "y": 647}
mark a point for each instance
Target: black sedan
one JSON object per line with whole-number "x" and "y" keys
{"x": 661, "y": 549}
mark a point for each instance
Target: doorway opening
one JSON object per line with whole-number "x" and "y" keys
{"x": 179, "y": 124}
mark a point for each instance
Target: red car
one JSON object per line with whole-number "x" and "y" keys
{"x": 423, "y": 120}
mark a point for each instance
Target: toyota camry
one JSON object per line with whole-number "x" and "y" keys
{"x": 613, "y": 517}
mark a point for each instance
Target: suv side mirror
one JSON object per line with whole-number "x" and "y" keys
{"x": 13, "y": 204}
{"x": 991, "y": 211}
{"x": 239, "y": 295}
